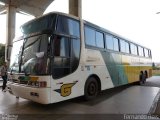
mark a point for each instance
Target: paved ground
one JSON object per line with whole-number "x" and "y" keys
{"x": 156, "y": 83}
{"x": 114, "y": 104}
{"x": 1, "y": 81}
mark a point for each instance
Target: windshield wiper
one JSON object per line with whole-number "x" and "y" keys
{"x": 39, "y": 38}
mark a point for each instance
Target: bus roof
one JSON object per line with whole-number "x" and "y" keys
{"x": 85, "y": 22}
{"x": 50, "y": 14}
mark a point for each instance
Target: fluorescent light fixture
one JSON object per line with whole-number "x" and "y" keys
{"x": 2, "y": 3}
{"x": 158, "y": 13}
{"x": 3, "y": 12}
{"x": 24, "y": 13}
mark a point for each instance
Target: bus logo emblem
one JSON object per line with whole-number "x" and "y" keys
{"x": 66, "y": 89}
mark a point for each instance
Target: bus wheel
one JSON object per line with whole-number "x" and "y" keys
{"x": 142, "y": 78}
{"x": 91, "y": 89}
{"x": 146, "y": 74}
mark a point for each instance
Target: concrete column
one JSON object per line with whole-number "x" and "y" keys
{"x": 75, "y": 8}
{"x": 10, "y": 30}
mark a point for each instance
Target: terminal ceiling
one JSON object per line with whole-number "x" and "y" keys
{"x": 33, "y": 7}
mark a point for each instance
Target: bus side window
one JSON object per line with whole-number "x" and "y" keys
{"x": 66, "y": 52}
{"x": 146, "y": 52}
{"x": 109, "y": 42}
{"x": 122, "y": 45}
{"x": 127, "y": 47}
{"x": 136, "y": 50}
{"x": 141, "y": 51}
{"x": 68, "y": 26}
{"x": 75, "y": 46}
{"x": 133, "y": 49}
{"x": 99, "y": 40}
{"x": 150, "y": 54}
{"x": 115, "y": 44}
{"x": 90, "y": 36}
{"x": 61, "y": 53}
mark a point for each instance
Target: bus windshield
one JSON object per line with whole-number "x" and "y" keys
{"x": 43, "y": 23}
{"x": 16, "y": 55}
{"x": 34, "y": 57}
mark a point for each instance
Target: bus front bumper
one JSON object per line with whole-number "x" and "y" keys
{"x": 40, "y": 95}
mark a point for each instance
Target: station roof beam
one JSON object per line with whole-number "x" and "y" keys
{"x": 33, "y": 7}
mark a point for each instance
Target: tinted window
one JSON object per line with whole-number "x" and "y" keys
{"x": 109, "y": 42}
{"x": 99, "y": 40}
{"x": 43, "y": 23}
{"x": 127, "y": 47}
{"x": 43, "y": 44}
{"x": 136, "y": 50}
{"x": 68, "y": 26}
{"x": 61, "y": 62}
{"x": 16, "y": 55}
{"x": 150, "y": 53}
{"x": 146, "y": 52}
{"x": 140, "y": 50}
{"x": 34, "y": 55}
{"x": 133, "y": 49}
{"x": 122, "y": 44}
{"x": 90, "y": 36}
{"x": 66, "y": 52}
{"x": 61, "y": 47}
{"x": 115, "y": 44}
{"x": 75, "y": 54}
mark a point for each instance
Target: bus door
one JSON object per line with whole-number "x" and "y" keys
{"x": 66, "y": 52}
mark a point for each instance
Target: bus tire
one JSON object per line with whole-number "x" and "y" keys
{"x": 146, "y": 74}
{"x": 142, "y": 78}
{"x": 91, "y": 89}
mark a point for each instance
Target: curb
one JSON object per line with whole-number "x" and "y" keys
{"x": 154, "y": 105}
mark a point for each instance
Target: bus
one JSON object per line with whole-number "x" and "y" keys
{"x": 61, "y": 56}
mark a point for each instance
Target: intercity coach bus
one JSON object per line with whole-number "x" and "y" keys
{"x": 60, "y": 57}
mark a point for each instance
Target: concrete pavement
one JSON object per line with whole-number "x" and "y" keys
{"x": 155, "y": 82}
{"x": 110, "y": 104}
{"x": 1, "y": 82}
